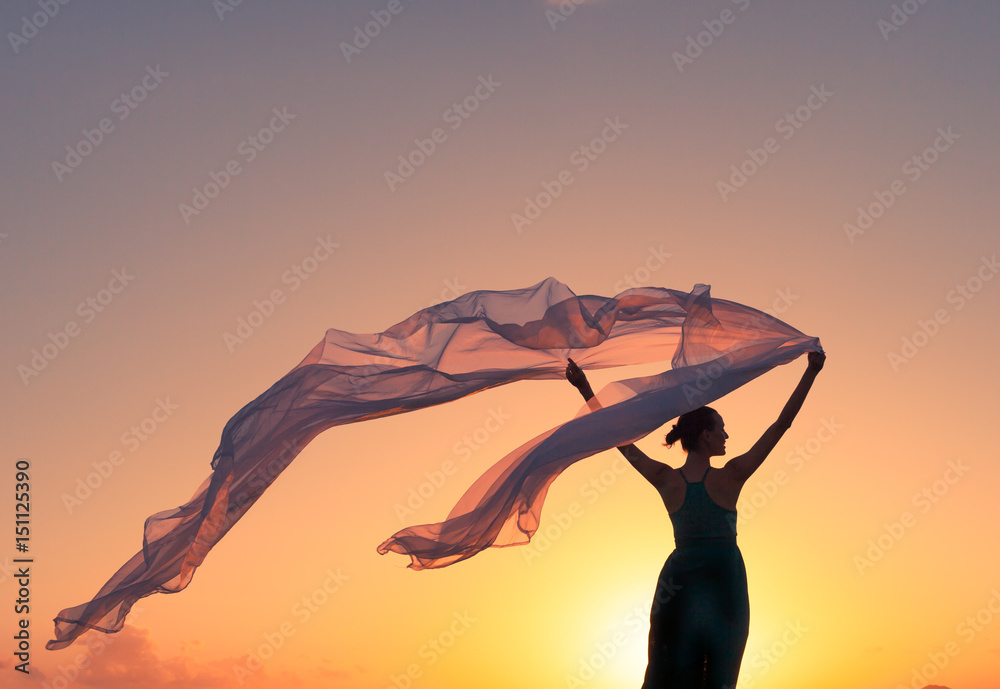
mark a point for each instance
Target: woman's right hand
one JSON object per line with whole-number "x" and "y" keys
{"x": 575, "y": 375}
{"x": 816, "y": 361}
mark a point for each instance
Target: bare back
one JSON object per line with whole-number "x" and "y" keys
{"x": 722, "y": 487}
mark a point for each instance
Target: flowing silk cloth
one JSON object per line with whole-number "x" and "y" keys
{"x": 478, "y": 341}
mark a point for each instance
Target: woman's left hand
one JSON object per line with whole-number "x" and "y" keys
{"x": 816, "y": 361}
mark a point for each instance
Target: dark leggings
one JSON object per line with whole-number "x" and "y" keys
{"x": 699, "y": 619}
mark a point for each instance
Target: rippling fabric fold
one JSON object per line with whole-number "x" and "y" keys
{"x": 480, "y": 340}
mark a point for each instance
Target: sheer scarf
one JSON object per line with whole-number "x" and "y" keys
{"x": 478, "y": 341}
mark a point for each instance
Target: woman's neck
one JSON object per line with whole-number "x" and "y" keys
{"x": 696, "y": 459}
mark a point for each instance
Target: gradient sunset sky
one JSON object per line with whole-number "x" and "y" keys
{"x": 171, "y": 168}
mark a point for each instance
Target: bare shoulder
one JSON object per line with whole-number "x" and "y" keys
{"x": 672, "y": 487}
{"x": 670, "y": 477}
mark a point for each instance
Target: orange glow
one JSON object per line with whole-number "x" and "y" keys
{"x": 869, "y": 534}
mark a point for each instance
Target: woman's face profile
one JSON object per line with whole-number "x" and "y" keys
{"x": 715, "y": 440}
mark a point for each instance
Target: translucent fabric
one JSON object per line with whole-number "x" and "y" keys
{"x": 478, "y": 341}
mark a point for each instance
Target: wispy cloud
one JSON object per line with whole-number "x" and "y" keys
{"x": 133, "y": 660}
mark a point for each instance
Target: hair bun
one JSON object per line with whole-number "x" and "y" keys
{"x": 689, "y": 427}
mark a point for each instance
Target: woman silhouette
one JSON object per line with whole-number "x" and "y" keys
{"x": 700, "y": 615}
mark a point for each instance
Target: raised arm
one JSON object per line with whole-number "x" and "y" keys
{"x": 650, "y": 469}
{"x": 742, "y": 467}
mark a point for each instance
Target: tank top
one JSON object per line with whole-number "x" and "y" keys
{"x": 701, "y": 520}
